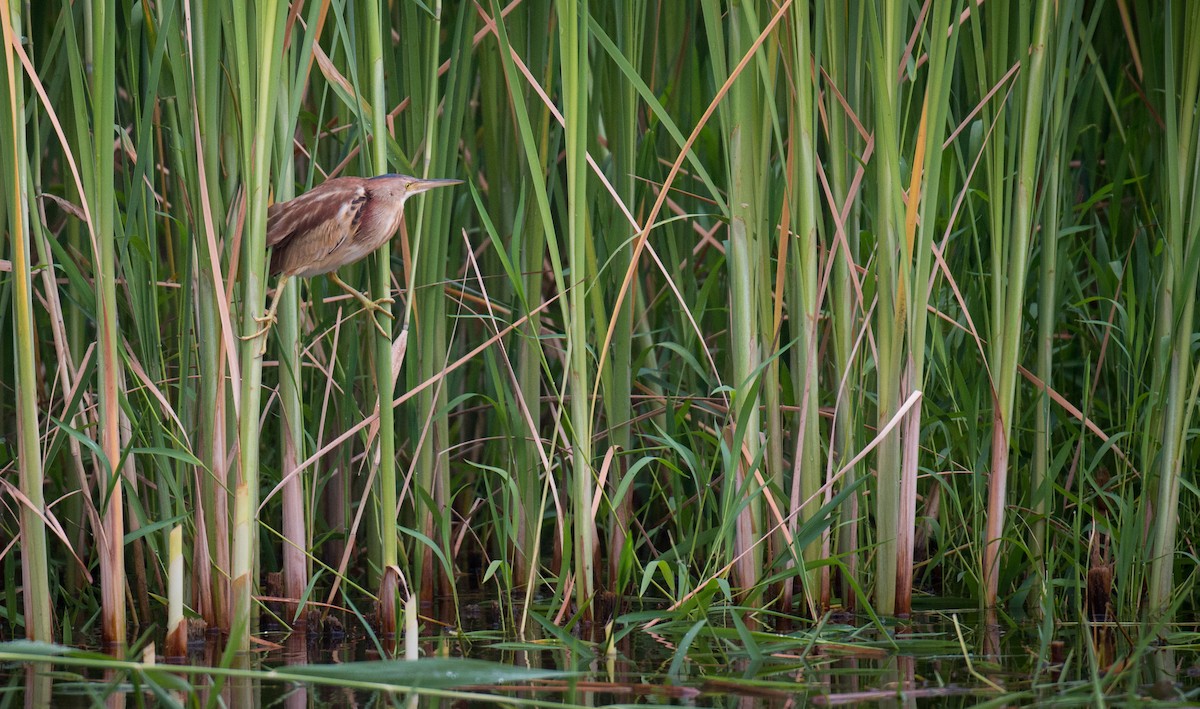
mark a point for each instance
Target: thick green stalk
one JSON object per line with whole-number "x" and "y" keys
{"x": 619, "y": 111}
{"x": 921, "y": 227}
{"x": 886, "y": 28}
{"x": 35, "y": 567}
{"x": 804, "y": 312}
{"x": 841, "y": 43}
{"x": 382, "y": 342}
{"x": 103, "y": 199}
{"x": 295, "y": 527}
{"x": 1013, "y": 273}
{"x": 742, "y": 128}
{"x": 573, "y": 40}
{"x": 302, "y": 502}
{"x": 1176, "y": 367}
{"x": 1042, "y": 482}
{"x": 257, "y": 65}
{"x": 202, "y": 73}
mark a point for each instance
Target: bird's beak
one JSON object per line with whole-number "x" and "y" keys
{"x": 418, "y": 186}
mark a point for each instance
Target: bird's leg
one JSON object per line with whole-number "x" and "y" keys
{"x": 372, "y": 306}
{"x": 269, "y": 319}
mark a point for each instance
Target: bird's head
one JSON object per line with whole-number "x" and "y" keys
{"x": 398, "y": 188}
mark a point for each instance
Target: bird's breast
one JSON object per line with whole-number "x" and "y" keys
{"x": 377, "y": 223}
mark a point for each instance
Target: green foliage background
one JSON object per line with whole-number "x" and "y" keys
{"x": 785, "y": 304}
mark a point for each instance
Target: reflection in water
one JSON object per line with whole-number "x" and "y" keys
{"x": 900, "y": 676}
{"x": 295, "y": 652}
{"x": 39, "y": 686}
{"x": 115, "y": 700}
{"x": 242, "y": 691}
{"x": 839, "y": 663}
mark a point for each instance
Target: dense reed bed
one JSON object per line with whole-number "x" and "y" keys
{"x": 762, "y": 305}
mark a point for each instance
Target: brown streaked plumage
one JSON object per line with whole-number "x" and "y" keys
{"x": 335, "y": 223}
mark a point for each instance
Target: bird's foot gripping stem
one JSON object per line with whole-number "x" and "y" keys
{"x": 374, "y": 307}
{"x": 267, "y": 320}
{"x": 379, "y": 307}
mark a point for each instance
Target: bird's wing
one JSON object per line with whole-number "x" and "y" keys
{"x": 315, "y": 208}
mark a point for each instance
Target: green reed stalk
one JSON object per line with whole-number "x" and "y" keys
{"x": 886, "y": 25}
{"x": 742, "y": 122}
{"x": 1041, "y": 479}
{"x": 1174, "y": 361}
{"x": 198, "y": 77}
{"x": 805, "y": 309}
{"x": 150, "y": 332}
{"x": 257, "y": 68}
{"x": 434, "y": 123}
{"x": 499, "y": 142}
{"x": 382, "y": 286}
{"x": 297, "y": 530}
{"x": 573, "y": 41}
{"x": 840, "y": 29}
{"x": 76, "y": 338}
{"x": 503, "y": 168}
{"x": 528, "y": 249}
{"x": 925, "y": 210}
{"x": 992, "y": 53}
{"x": 81, "y": 513}
{"x": 291, "y": 405}
{"x": 905, "y": 255}
{"x": 1009, "y": 274}
{"x": 530, "y": 246}
{"x": 35, "y": 567}
{"x": 1041, "y": 476}
{"x": 446, "y": 116}
{"x": 1066, "y": 66}
{"x": 425, "y": 310}
{"x": 102, "y": 197}
{"x": 618, "y": 107}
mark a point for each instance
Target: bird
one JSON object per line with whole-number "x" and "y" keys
{"x": 334, "y": 224}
